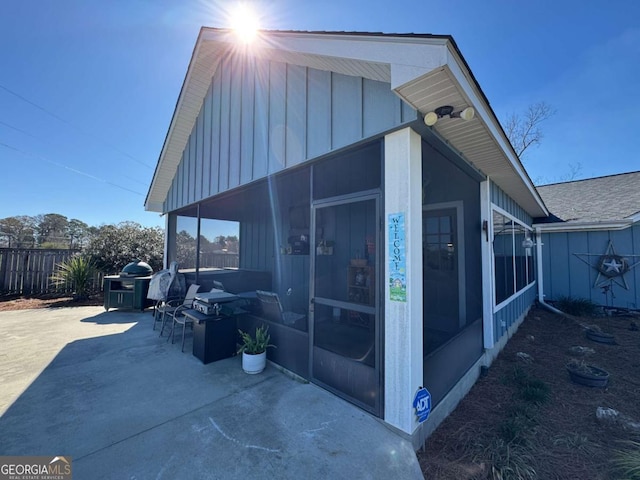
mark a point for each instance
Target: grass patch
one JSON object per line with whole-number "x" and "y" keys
{"x": 535, "y": 392}
{"x": 510, "y": 452}
{"x": 627, "y": 461}
{"x": 508, "y": 461}
{"x": 574, "y": 442}
{"x": 529, "y": 389}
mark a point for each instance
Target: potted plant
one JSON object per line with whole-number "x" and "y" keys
{"x": 588, "y": 375}
{"x": 595, "y": 333}
{"x": 254, "y": 349}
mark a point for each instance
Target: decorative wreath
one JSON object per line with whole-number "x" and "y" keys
{"x": 613, "y": 265}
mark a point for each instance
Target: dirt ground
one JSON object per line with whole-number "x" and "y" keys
{"x": 46, "y": 301}
{"x": 512, "y": 426}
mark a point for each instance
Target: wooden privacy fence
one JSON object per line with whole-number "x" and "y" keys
{"x": 28, "y": 271}
{"x": 210, "y": 259}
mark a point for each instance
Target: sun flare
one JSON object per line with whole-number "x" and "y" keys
{"x": 244, "y": 22}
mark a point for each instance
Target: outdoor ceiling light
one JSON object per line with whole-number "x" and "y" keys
{"x": 431, "y": 118}
{"x": 527, "y": 243}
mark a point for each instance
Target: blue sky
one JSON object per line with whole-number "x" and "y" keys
{"x": 88, "y": 88}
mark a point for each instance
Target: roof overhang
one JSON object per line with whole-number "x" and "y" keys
{"x": 583, "y": 226}
{"x": 426, "y": 71}
{"x": 589, "y": 225}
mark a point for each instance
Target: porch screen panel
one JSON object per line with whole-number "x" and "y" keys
{"x": 503, "y": 255}
{"x": 520, "y": 257}
{"x": 186, "y": 235}
{"x": 513, "y": 263}
{"x": 359, "y": 171}
{"x": 219, "y": 244}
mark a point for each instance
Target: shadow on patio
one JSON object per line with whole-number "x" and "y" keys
{"x": 104, "y": 389}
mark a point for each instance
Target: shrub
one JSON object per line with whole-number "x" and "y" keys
{"x": 112, "y": 247}
{"x": 78, "y": 271}
{"x": 580, "y": 307}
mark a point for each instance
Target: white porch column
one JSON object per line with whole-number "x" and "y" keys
{"x": 403, "y": 373}
{"x": 488, "y": 293}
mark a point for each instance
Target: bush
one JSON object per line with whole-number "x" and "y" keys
{"x": 78, "y": 272}
{"x": 112, "y": 247}
{"x": 580, "y": 307}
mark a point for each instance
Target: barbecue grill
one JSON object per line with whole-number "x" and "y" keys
{"x": 129, "y": 288}
{"x": 136, "y": 269}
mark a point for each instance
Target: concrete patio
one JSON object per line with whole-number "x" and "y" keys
{"x": 104, "y": 389}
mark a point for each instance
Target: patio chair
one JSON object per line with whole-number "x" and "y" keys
{"x": 168, "y": 309}
{"x": 272, "y": 309}
{"x": 165, "y": 285}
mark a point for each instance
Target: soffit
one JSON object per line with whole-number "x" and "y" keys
{"x": 481, "y": 141}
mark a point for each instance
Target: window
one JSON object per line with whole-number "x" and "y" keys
{"x": 439, "y": 242}
{"x": 513, "y": 262}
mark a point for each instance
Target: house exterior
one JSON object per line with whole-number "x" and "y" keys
{"x": 590, "y": 245}
{"x": 402, "y": 244}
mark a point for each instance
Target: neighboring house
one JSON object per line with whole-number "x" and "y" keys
{"x": 591, "y": 241}
{"x": 402, "y": 244}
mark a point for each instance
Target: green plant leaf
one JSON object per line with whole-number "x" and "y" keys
{"x": 256, "y": 344}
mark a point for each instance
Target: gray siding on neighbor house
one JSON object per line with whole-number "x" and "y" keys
{"x": 260, "y": 117}
{"x": 504, "y": 201}
{"x": 567, "y": 274}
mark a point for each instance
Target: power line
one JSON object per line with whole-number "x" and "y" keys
{"x": 74, "y": 170}
{"x": 24, "y": 132}
{"x": 17, "y": 95}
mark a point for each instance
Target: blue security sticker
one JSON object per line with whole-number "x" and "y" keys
{"x": 422, "y": 404}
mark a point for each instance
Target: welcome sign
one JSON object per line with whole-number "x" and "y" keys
{"x": 397, "y": 258}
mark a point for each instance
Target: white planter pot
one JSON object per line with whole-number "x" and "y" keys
{"x": 253, "y": 364}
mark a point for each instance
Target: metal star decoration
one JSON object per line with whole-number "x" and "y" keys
{"x": 611, "y": 267}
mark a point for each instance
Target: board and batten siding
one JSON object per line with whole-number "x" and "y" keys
{"x": 508, "y": 204}
{"x": 260, "y": 117}
{"x": 567, "y": 274}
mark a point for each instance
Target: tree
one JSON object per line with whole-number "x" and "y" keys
{"x": 185, "y": 249}
{"x": 112, "y": 247}
{"x": 18, "y": 231}
{"x": 77, "y": 232}
{"x": 232, "y": 244}
{"x": 524, "y": 130}
{"x": 52, "y": 230}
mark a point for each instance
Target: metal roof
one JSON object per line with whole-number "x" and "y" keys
{"x": 427, "y": 71}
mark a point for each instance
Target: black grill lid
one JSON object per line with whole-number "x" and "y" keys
{"x": 136, "y": 269}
